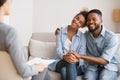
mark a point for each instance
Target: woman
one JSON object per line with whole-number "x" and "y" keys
{"x": 10, "y": 43}
{"x": 70, "y": 40}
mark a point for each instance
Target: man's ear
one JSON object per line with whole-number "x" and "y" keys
{"x": 101, "y": 20}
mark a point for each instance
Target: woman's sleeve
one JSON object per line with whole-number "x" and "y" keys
{"x": 16, "y": 51}
{"x": 82, "y": 49}
{"x": 59, "y": 45}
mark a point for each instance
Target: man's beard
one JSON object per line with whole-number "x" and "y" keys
{"x": 93, "y": 30}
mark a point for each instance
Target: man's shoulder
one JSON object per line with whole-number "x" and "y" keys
{"x": 86, "y": 33}
{"x": 109, "y": 35}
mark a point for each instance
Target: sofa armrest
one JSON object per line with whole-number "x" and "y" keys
{"x": 7, "y": 68}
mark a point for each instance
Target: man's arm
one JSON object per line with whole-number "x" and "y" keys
{"x": 109, "y": 51}
{"x": 97, "y": 60}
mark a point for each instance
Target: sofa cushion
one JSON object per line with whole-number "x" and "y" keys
{"x": 42, "y": 49}
{"x": 7, "y": 69}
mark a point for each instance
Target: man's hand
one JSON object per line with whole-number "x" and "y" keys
{"x": 40, "y": 67}
{"x": 57, "y": 31}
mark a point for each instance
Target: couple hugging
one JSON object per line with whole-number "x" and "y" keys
{"x": 93, "y": 53}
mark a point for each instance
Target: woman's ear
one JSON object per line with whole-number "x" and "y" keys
{"x": 6, "y": 7}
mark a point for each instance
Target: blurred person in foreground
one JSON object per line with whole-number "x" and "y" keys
{"x": 10, "y": 43}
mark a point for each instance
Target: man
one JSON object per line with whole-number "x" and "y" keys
{"x": 102, "y": 45}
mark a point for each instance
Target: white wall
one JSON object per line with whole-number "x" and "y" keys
{"x": 21, "y": 18}
{"x": 29, "y": 16}
{"x": 6, "y": 20}
{"x": 50, "y": 14}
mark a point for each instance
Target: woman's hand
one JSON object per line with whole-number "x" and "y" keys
{"x": 41, "y": 67}
{"x": 70, "y": 58}
{"x": 78, "y": 56}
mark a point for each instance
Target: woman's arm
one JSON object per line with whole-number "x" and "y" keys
{"x": 16, "y": 51}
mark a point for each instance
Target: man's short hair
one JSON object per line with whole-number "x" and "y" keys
{"x": 95, "y": 11}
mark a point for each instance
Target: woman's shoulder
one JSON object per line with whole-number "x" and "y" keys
{"x": 6, "y": 29}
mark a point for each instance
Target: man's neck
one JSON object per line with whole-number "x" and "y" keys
{"x": 97, "y": 32}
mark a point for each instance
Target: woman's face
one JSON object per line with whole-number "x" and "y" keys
{"x": 78, "y": 21}
{"x": 6, "y": 6}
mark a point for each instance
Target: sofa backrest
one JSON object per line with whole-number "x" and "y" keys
{"x": 44, "y": 36}
{"x": 50, "y": 37}
{"x": 42, "y": 45}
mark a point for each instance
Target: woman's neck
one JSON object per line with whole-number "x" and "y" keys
{"x": 72, "y": 30}
{"x": 1, "y": 15}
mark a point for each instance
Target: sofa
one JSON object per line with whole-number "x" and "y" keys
{"x": 41, "y": 45}
{"x": 7, "y": 68}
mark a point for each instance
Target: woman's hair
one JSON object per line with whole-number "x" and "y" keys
{"x": 2, "y": 2}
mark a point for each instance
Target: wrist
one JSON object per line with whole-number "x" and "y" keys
{"x": 81, "y": 56}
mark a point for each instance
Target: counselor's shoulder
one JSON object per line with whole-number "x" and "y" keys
{"x": 6, "y": 29}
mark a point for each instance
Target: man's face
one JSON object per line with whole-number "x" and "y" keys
{"x": 93, "y": 21}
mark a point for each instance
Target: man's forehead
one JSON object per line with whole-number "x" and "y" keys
{"x": 93, "y": 14}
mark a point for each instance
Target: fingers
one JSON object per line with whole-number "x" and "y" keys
{"x": 75, "y": 54}
{"x": 70, "y": 58}
{"x": 40, "y": 67}
{"x": 58, "y": 30}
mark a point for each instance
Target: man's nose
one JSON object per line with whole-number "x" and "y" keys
{"x": 90, "y": 21}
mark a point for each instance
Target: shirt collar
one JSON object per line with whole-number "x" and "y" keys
{"x": 103, "y": 31}
{"x": 64, "y": 31}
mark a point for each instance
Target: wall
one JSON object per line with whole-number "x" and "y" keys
{"x": 50, "y": 14}
{"x": 6, "y": 20}
{"x": 21, "y": 18}
{"x": 29, "y": 16}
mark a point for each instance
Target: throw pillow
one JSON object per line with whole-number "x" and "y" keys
{"x": 42, "y": 49}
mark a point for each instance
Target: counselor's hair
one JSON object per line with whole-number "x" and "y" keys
{"x": 2, "y": 2}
